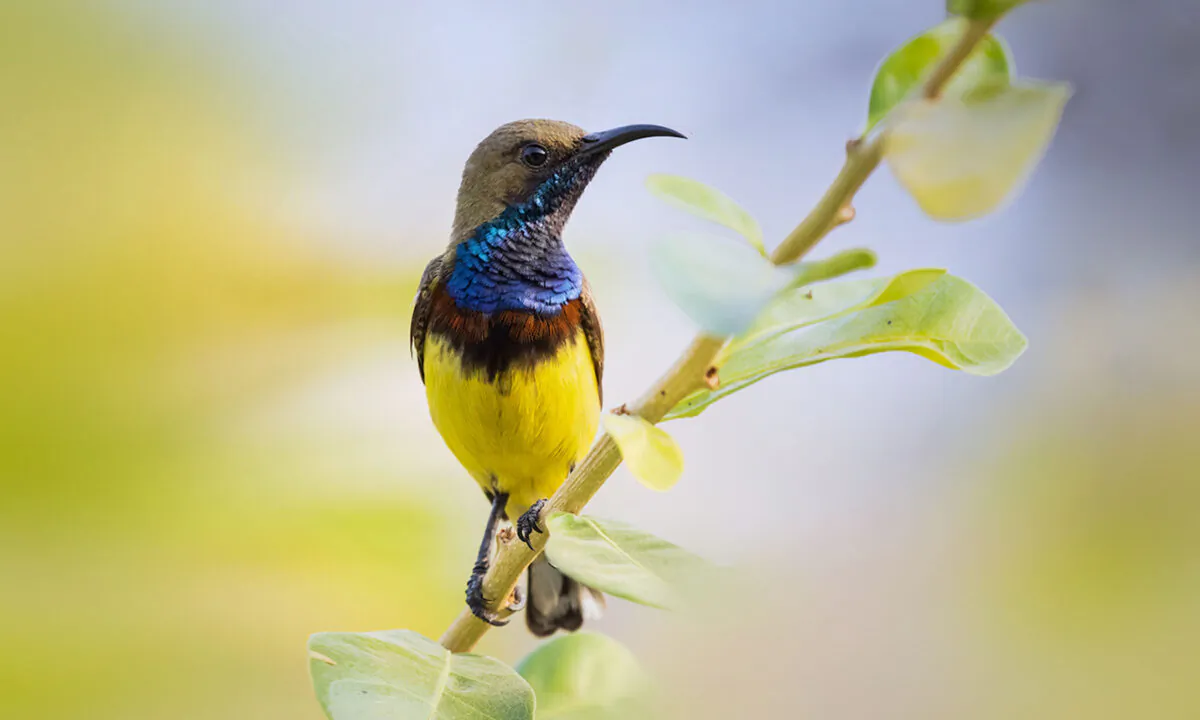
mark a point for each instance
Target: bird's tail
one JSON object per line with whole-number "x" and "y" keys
{"x": 558, "y": 602}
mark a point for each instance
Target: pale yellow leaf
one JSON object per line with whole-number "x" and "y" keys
{"x": 961, "y": 158}
{"x": 650, "y": 452}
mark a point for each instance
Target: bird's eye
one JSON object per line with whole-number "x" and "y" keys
{"x": 534, "y": 155}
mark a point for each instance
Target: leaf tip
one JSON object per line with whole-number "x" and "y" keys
{"x": 654, "y": 181}
{"x": 314, "y": 655}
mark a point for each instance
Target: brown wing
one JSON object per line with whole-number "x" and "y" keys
{"x": 421, "y": 305}
{"x": 589, "y": 320}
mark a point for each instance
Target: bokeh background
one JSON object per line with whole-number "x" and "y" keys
{"x": 213, "y": 441}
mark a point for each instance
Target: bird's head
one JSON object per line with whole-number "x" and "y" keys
{"x": 538, "y": 168}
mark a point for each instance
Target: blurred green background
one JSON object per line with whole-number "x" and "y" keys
{"x": 213, "y": 441}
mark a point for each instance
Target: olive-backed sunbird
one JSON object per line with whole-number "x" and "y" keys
{"x": 508, "y": 341}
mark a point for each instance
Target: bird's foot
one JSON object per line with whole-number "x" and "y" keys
{"x": 527, "y": 524}
{"x": 475, "y": 599}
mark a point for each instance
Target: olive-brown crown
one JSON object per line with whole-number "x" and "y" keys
{"x": 508, "y": 166}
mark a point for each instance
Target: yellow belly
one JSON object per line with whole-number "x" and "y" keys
{"x": 523, "y": 431}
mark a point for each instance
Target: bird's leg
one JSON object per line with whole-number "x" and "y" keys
{"x": 475, "y": 599}
{"x": 527, "y": 524}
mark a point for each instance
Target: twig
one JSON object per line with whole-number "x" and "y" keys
{"x": 691, "y": 369}
{"x": 974, "y": 34}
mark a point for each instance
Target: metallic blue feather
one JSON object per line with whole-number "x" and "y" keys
{"x": 517, "y": 261}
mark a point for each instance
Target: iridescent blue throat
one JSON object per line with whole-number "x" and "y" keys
{"x": 517, "y": 261}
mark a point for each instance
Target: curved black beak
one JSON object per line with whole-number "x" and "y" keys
{"x": 599, "y": 142}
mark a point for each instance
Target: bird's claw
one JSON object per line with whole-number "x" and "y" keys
{"x": 527, "y": 524}
{"x": 475, "y": 599}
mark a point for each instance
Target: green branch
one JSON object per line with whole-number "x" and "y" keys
{"x": 691, "y": 371}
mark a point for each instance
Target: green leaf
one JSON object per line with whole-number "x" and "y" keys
{"x": 709, "y": 203}
{"x": 721, "y": 285}
{"x": 624, "y": 561}
{"x": 902, "y": 73}
{"x": 585, "y": 676}
{"x": 398, "y": 674}
{"x": 938, "y": 316}
{"x": 800, "y": 307}
{"x": 981, "y": 9}
{"x": 960, "y": 159}
{"x": 650, "y": 452}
